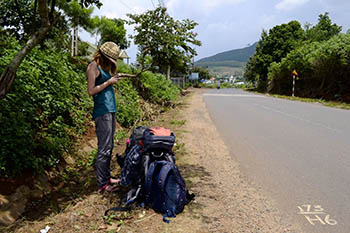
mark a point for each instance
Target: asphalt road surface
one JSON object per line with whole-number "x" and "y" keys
{"x": 297, "y": 153}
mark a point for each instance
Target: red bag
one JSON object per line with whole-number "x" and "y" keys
{"x": 160, "y": 131}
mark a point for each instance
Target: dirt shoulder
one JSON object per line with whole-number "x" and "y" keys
{"x": 225, "y": 201}
{"x": 230, "y": 203}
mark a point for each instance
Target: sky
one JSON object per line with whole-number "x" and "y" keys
{"x": 229, "y": 24}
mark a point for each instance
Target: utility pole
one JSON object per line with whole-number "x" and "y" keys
{"x": 75, "y": 41}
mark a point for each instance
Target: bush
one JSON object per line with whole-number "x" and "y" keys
{"x": 158, "y": 89}
{"x": 46, "y": 108}
{"x": 227, "y": 85}
{"x": 124, "y": 68}
{"x": 323, "y": 69}
{"x": 128, "y": 105}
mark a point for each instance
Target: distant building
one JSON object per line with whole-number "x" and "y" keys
{"x": 123, "y": 55}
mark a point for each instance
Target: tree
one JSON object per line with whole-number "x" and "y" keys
{"x": 165, "y": 39}
{"x": 272, "y": 47}
{"x": 77, "y": 15}
{"x": 49, "y": 16}
{"x": 111, "y": 30}
{"x": 323, "y": 68}
{"x": 323, "y": 30}
{"x": 18, "y": 18}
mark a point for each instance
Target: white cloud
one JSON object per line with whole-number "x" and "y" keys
{"x": 290, "y": 4}
{"x": 203, "y": 3}
{"x": 267, "y": 21}
{"x": 119, "y": 9}
{"x": 199, "y": 7}
{"x": 229, "y": 24}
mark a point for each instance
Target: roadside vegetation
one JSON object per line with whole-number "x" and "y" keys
{"x": 320, "y": 55}
{"x": 222, "y": 85}
{"x": 45, "y": 108}
{"x": 333, "y": 104}
{"x": 48, "y": 146}
{"x": 48, "y": 107}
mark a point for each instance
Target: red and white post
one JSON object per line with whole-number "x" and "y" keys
{"x": 295, "y": 75}
{"x": 293, "y": 85}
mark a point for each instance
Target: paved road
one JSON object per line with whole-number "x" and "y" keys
{"x": 297, "y": 153}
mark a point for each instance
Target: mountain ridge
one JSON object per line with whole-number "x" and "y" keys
{"x": 241, "y": 55}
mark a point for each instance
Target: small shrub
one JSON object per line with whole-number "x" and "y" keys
{"x": 125, "y": 68}
{"x": 127, "y": 100}
{"x": 227, "y": 85}
{"x": 159, "y": 89}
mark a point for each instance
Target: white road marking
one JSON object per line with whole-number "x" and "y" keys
{"x": 299, "y": 118}
{"x": 311, "y": 212}
{"x": 306, "y": 213}
{"x": 234, "y": 95}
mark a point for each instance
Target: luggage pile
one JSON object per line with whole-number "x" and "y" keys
{"x": 149, "y": 169}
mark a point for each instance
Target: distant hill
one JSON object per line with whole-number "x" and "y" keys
{"x": 232, "y": 58}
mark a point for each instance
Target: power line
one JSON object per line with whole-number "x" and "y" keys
{"x": 153, "y": 4}
{"x": 161, "y": 3}
{"x": 127, "y": 6}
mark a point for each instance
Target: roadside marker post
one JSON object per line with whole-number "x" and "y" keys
{"x": 294, "y": 74}
{"x": 293, "y": 85}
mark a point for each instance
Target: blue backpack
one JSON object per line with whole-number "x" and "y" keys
{"x": 131, "y": 171}
{"x": 165, "y": 189}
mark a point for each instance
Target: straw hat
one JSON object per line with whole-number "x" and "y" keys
{"x": 111, "y": 51}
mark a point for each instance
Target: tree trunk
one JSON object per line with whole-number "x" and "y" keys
{"x": 168, "y": 73}
{"x": 9, "y": 73}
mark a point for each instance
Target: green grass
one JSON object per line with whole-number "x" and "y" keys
{"x": 120, "y": 135}
{"x": 222, "y": 85}
{"x": 333, "y": 104}
{"x": 179, "y": 122}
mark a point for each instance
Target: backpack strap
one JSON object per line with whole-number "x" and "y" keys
{"x": 162, "y": 178}
{"x": 165, "y": 171}
{"x": 163, "y": 174}
{"x": 146, "y": 164}
{"x": 149, "y": 178}
{"x": 168, "y": 214}
{"x": 135, "y": 193}
{"x": 167, "y": 167}
{"x": 132, "y": 196}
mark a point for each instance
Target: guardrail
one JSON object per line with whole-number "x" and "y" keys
{"x": 179, "y": 81}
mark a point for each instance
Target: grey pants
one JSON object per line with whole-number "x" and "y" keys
{"x": 105, "y": 128}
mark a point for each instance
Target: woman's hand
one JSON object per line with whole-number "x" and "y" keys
{"x": 116, "y": 78}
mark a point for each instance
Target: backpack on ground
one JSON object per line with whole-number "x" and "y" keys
{"x": 165, "y": 189}
{"x": 148, "y": 167}
{"x": 155, "y": 144}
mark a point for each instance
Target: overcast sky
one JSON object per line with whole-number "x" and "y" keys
{"x": 230, "y": 24}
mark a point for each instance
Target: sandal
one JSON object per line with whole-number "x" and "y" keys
{"x": 108, "y": 188}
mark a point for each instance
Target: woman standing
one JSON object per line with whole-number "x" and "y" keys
{"x": 100, "y": 81}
